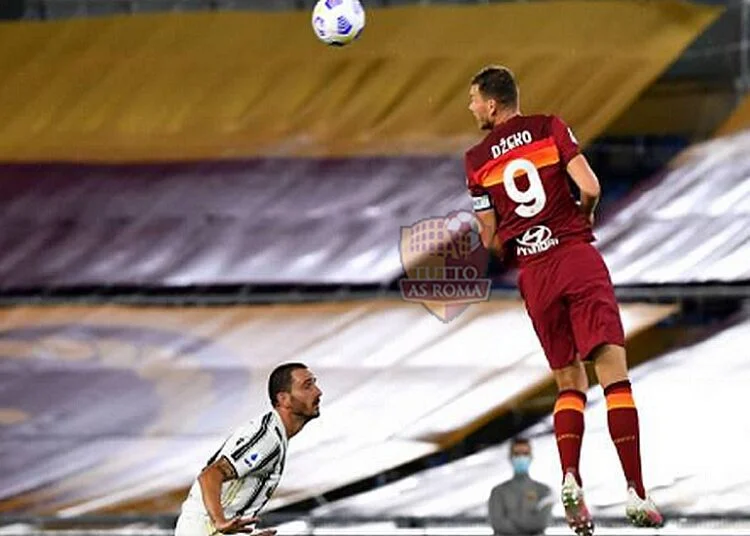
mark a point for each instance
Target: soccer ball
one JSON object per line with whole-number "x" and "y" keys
{"x": 338, "y": 22}
{"x": 464, "y": 227}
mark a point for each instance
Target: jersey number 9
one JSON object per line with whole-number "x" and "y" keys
{"x": 531, "y": 201}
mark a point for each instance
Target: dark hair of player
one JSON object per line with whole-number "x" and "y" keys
{"x": 280, "y": 380}
{"x": 498, "y": 83}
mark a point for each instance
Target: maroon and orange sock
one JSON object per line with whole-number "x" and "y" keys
{"x": 622, "y": 418}
{"x": 568, "y": 418}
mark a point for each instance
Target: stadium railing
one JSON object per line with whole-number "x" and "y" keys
{"x": 141, "y": 525}
{"x": 252, "y": 294}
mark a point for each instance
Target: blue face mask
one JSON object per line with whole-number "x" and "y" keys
{"x": 521, "y": 464}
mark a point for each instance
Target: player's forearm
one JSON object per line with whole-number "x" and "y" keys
{"x": 488, "y": 230}
{"x": 587, "y": 182}
{"x": 490, "y": 240}
{"x": 486, "y": 239}
{"x": 210, "y": 482}
{"x": 497, "y": 245}
{"x": 589, "y": 203}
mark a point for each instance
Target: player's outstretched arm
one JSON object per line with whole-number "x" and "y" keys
{"x": 582, "y": 174}
{"x": 210, "y": 480}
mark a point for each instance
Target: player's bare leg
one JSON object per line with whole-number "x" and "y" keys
{"x": 622, "y": 417}
{"x": 572, "y": 384}
{"x": 572, "y": 377}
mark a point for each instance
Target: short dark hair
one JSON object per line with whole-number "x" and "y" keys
{"x": 519, "y": 441}
{"x": 280, "y": 380}
{"x": 497, "y": 82}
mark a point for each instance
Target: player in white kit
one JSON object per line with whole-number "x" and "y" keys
{"x": 241, "y": 476}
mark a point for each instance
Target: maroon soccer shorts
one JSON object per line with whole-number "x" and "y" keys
{"x": 571, "y": 302}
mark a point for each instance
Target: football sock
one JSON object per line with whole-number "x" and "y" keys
{"x": 622, "y": 418}
{"x": 568, "y": 419}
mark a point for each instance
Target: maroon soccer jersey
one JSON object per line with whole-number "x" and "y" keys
{"x": 519, "y": 169}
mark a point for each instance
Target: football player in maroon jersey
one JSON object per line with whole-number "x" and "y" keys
{"x": 518, "y": 180}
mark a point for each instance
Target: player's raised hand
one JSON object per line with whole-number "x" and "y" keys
{"x": 238, "y": 525}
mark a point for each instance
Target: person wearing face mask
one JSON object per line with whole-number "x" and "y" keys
{"x": 520, "y": 505}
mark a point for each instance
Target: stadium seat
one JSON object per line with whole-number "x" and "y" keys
{"x": 106, "y": 7}
{"x": 58, "y": 9}
{"x": 195, "y": 5}
{"x": 148, "y": 6}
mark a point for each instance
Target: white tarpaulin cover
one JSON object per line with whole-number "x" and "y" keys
{"x": 691, "y": 225}
{"x": 104, "y": 405}
{"x": 694, "y": 441}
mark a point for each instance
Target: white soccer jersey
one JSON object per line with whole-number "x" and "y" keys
{"x": 257, "y": 452}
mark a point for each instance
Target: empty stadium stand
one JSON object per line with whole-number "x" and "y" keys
{"x": 680, "y": 427}
{"x": 690, "y": 224}
{"x": 106, "y": 405}
{"x": 180, "y": 146}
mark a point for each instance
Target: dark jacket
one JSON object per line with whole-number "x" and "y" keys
{"x": 520, "y": 506}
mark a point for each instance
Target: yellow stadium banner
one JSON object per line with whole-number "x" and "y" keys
{"x": 739, "y": 120}
{"x": 244, "y": 84}
{"x": 676, "y": 108}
